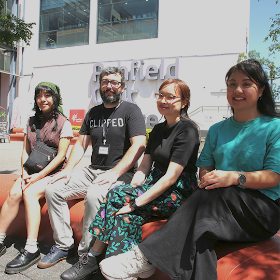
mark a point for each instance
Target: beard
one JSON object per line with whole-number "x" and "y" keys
{"x": 111, "y": 99}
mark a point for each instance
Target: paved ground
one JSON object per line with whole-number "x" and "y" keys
{"x": 10, "y": 155}
{"x": 14, "y": 244}
{"x": 52, "y": 273}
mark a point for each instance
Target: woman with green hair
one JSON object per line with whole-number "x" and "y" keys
{"x": 55, "y": 131}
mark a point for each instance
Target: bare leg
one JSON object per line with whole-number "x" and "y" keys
{"x": 31, "y": 198}
{"x": 98, "y": 246}
{"x": 30, "y": 254}
{"x": 10, "y": 206}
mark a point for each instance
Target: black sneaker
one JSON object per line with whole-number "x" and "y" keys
{"x": 2, "y": 249}
{"x": 22, "y": 261}
{"x": 85, "y": 267}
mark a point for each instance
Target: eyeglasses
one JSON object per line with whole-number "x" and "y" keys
{"x": 168, "y": 96}
{"x": 113, "y": 83}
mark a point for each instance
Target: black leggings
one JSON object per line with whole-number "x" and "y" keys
{"x": 183, "y": 247}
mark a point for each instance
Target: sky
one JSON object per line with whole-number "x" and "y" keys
{"x": 260, "y": 13}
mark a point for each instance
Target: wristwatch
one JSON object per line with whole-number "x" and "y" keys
{"x": 134, "y": 205}
{"x": 241, "y": 178}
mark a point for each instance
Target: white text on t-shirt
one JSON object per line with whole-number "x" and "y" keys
{"x": 118, "y": 122}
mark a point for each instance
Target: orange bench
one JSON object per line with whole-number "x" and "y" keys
{"x": 18, "y": 226}
{"x": 259, "y": 260}
{"x": 238, "y": 261}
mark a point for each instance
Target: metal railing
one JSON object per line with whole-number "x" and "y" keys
{"x": 204, "y": 108}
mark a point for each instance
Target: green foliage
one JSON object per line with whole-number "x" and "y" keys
{"x": 13, "y": 29}
{"x": 148, "y": 130}
{"x": 271, "y": 70}
{"x": 274, "y": 33}
{"x": 3, "y": 116}
{"x": 76, "y": 127}
{"x": 242, "y": 56}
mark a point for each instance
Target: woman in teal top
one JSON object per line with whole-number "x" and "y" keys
{"x": 238, "y": 195}
{"x": 251, "y": 146}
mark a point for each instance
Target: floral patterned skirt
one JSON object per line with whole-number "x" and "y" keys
{"x": 123, "y": 232}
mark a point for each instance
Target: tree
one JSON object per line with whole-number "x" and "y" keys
{"x": 272, "y": 71}
{"x": 13, "y": 29}
{"x": 274, "y": 33}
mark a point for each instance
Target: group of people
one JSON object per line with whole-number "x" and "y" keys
{"x": 236, "y": 199}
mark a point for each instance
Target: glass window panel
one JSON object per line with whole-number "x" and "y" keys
{"x": 104, "y": 14}
{"x": 127, "y": 20}
{"x": 9, "y": 5}
{"x": 104, "y": 2}
{"x": 118, "y": 12}
{"x": 7, "y": 62}
{"x": 64, "y": 23}
{"x": 1, "y": 60}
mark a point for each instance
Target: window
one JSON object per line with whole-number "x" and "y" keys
{"x": 127, "y": 20}
{"x": 4, "y": 55}
{"x": 8, "y": 6}
{"x": 64, "y": 23}
{"x": 4, "y": 60}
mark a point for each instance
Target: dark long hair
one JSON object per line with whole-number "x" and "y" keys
{"x": 55, "y": 107}
{"x": 253, "y": 69}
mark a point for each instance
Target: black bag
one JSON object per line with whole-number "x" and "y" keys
{"x": 40, "y": 156}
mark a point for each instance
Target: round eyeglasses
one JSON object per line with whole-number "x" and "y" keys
{"x": 168, "y": 97}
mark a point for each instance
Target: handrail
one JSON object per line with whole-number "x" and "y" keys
{"x": 197, "y": 110}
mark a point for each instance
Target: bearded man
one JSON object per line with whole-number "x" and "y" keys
{"x": 117, "y": 132}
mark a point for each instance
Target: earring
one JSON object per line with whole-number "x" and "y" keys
{"x": 260, "y": 98}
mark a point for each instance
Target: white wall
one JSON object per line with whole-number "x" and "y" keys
{"x": 206, "y": 37}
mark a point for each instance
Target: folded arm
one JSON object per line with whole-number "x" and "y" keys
{"x": 173, "y": 172}
{"x": 211, "y": 178}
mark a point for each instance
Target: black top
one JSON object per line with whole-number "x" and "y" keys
{"x": 123, "y": 122}
{"x": 178, "y": 143}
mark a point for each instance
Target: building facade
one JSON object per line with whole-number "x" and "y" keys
{"x": 153, "y": 40}
{"x": 8, "y": 70}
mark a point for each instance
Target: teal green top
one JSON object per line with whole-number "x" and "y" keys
{"x": 249, "y": 146}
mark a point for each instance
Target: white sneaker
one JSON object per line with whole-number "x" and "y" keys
{"x": 127, "y": 266}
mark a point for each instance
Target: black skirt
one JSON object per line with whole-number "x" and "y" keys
{"x": 183, "y": 247}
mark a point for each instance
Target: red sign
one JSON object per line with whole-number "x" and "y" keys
{"x": 77, "y": 117}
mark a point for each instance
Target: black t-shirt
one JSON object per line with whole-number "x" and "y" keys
{"x": 123, "y": 122}
{"x": 178, "y": 143}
